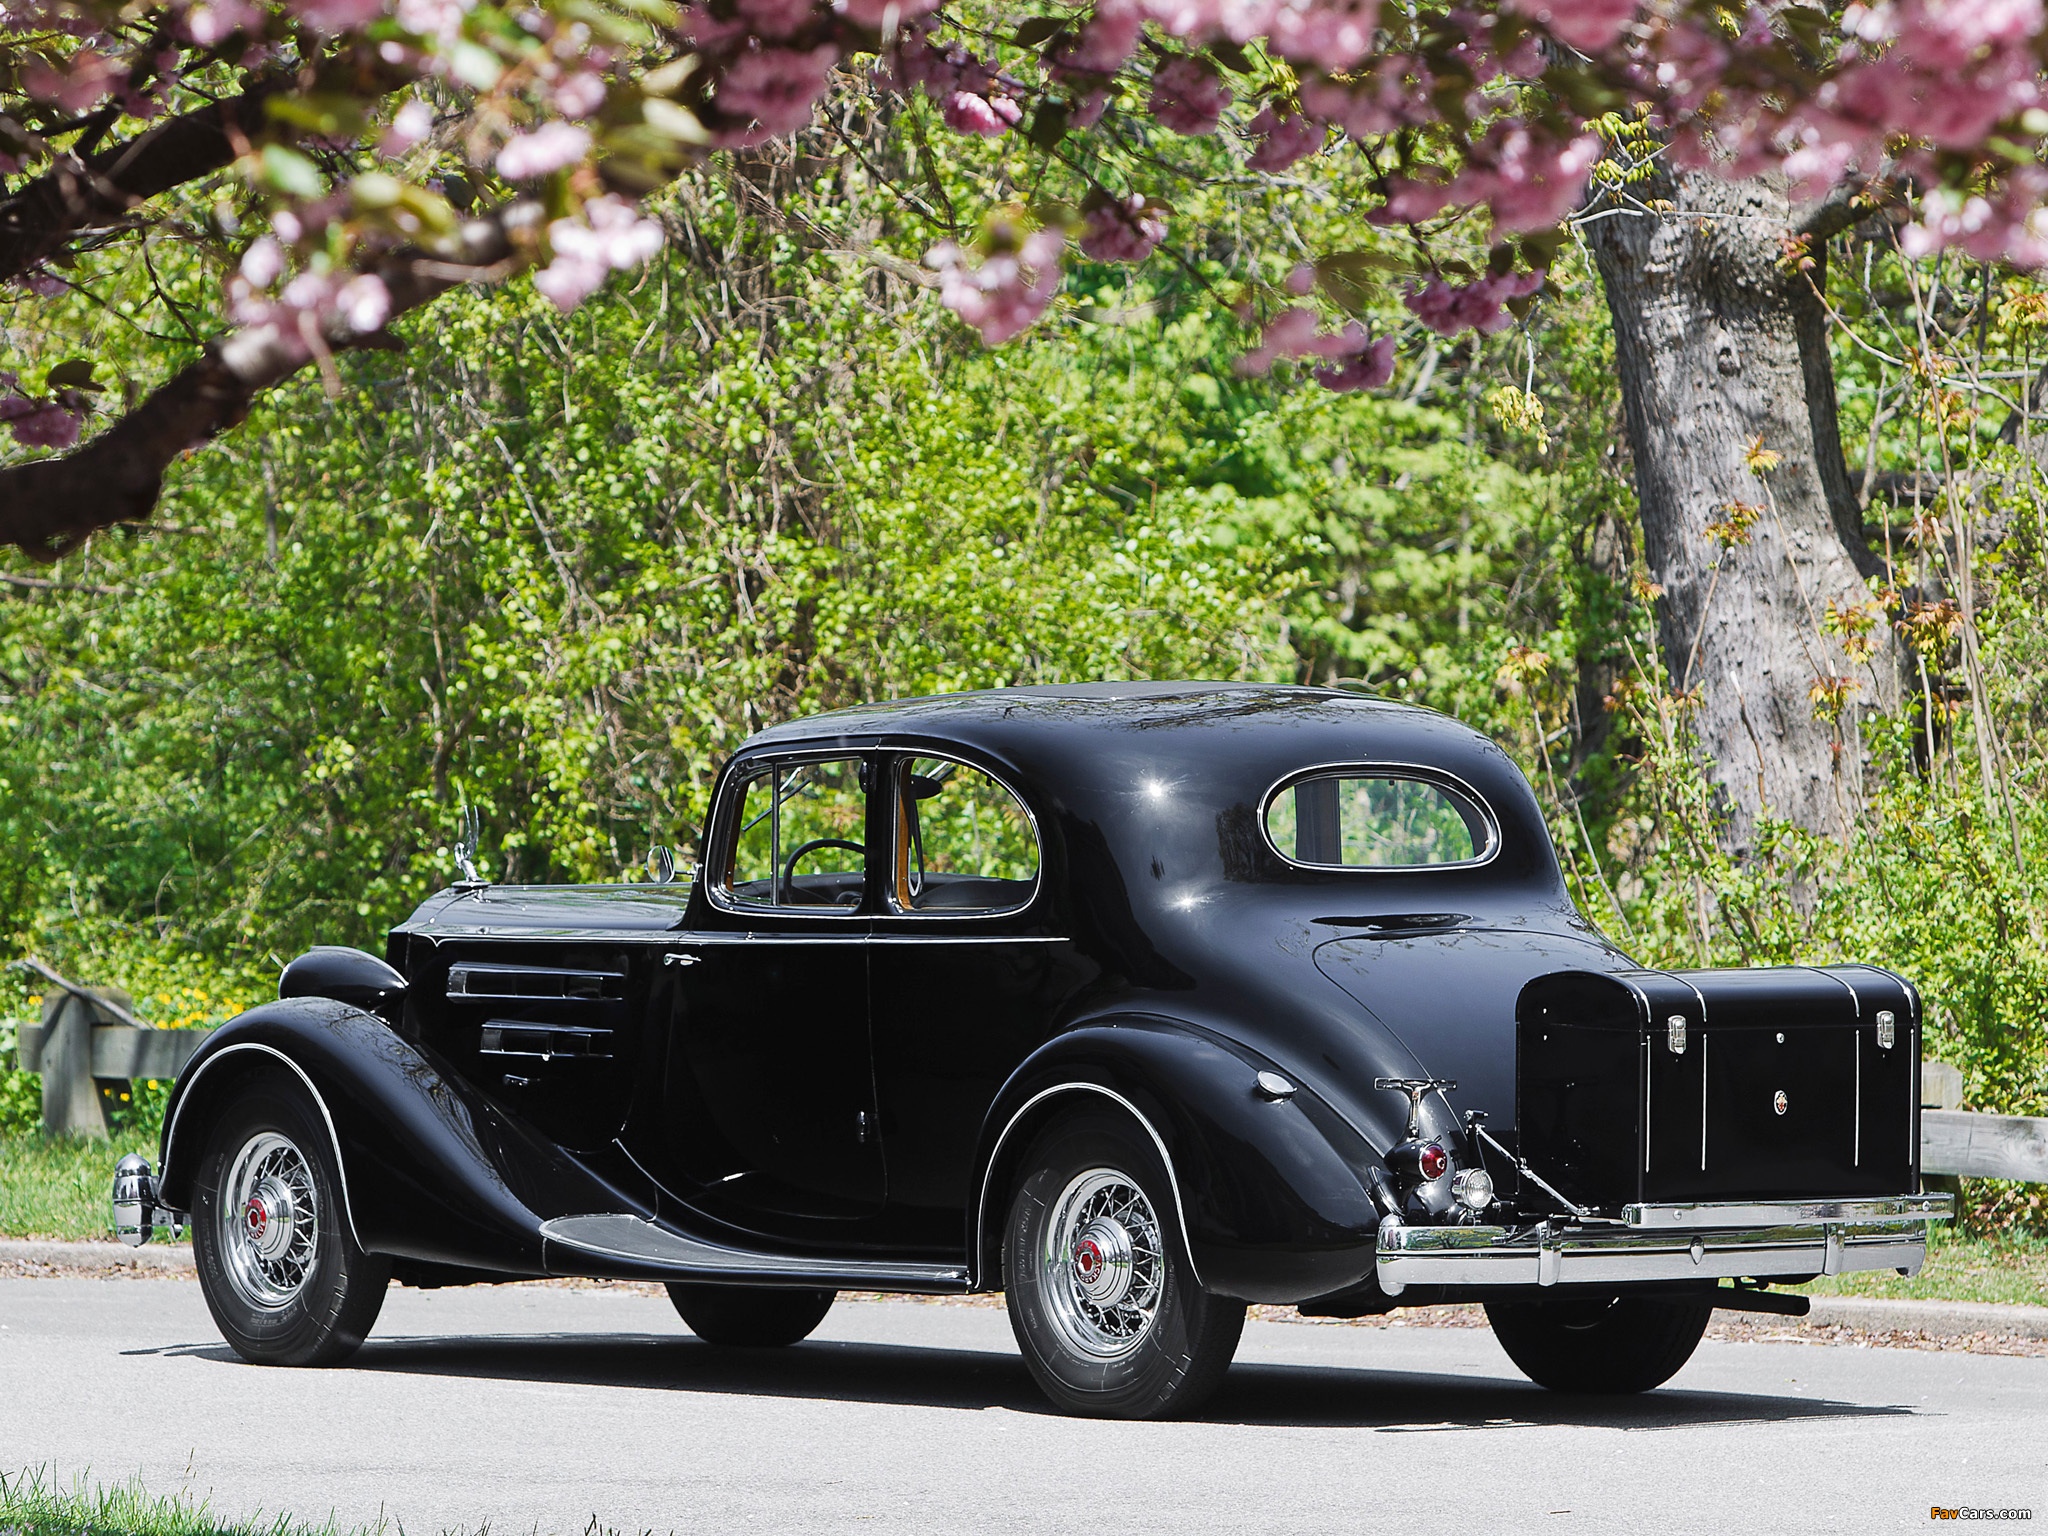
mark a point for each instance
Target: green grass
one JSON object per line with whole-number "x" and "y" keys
{"x": 31, "y": 1506}
{"x": 59, "y": 1189}
{"x": 2011, "y": 1269}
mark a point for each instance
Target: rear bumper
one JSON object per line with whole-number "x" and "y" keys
{"x": 1665, "y": 1243}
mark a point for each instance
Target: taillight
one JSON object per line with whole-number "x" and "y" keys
{"x": 1434, "y": 1162}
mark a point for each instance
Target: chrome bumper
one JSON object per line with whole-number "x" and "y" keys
{"x": 137, "y": 1216}
{"x": 1717, "y": 1241}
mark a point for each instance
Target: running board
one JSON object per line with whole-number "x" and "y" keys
{"x": 644, "y": 1246}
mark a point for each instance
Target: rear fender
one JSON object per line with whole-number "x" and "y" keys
{"x": 1268, "y": 1194}
{"x": 430, "y": 1169}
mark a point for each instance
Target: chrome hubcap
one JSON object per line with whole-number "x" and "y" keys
{"x": 270, "y": 1221}
{"x": 1104, "y": 1264}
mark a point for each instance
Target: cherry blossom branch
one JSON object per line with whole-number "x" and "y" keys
{"x": 101, "y": 190}
{"x": 48, "y": 507}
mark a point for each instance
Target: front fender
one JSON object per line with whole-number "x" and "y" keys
{"x": 1269, "y": 1194}
{"x": 430, "y": 1169}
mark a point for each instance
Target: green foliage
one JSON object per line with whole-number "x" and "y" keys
{"x": 33, "y": 1503}
{"x": 59, "y": 1187}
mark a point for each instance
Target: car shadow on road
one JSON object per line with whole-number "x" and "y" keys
{"x": 1393, "y": 1402}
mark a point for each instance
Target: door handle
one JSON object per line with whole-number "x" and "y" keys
{"x": 678, "y": 959}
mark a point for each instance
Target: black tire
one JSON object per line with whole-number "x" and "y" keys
{"x": 1604, "y": 1344}
{"x": 1156, "y": 1348}
{"x": 315, "y": 1299}
{"x": 750, "y": 1316}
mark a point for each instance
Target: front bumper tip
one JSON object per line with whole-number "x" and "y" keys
{"x": 137, "y": 1213}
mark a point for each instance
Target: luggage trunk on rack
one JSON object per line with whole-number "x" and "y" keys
{"x": 1655, "y": 1087}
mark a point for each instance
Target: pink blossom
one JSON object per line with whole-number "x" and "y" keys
{"x": 334, "y": 17}
{"x": 363, "y": 304}
{"x": 1105, "y": 41}
{"x": 1946, "y": 34}
{"x": 1329, "y": 34}
{"x": 86, "y": 78}
{"x": 1588, "y": 25}
{"x": 1009, "y": 290}
{"x": 1122, "y": 229}
{"x": 263, "y": 262}
{"x": 612, "y": 237}
{"x": 215, "y": 21}
{"x": 1284, "y": 140}
{"x": 884, "y": 15}
{"x": 1301, "y": 282}
{"x": 550, "y": 147}
{"x": 1088, "y": 110}
{"x": 774, "y": 18}
{"x": 773, "y": 90}
{"x": 45, "y": 424}
{"x": 1479, "y": 306}
{"x": 967, "y": 113}
{"x": 42, "y": 282}
{"x": 1369, "y": 369}
{"x": 942, "y": 72}
{"x": 1188, "y": 96}
{"x": 438, "y": 19}
{"x": 579, "y": 95}
{"x": 409, "y": 125}
{"x": 1294, "y": 333}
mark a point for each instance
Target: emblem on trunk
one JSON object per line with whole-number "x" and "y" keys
{"x": 1779, "y": 1101}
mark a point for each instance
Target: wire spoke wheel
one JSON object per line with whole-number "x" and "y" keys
{"x": 1104, "y": 1301}
{"x": 1104, "y": 1264}
{"x": 270, "y": 1221}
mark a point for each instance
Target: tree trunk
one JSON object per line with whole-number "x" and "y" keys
{"x": 1721, "y": 345}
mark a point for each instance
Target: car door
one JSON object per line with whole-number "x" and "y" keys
{"x": 966, "y": 977}
{"x": 769, "y": 1113}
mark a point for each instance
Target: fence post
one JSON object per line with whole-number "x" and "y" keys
{"x": 73, "y": 1104}
{"x": 71, "y": 1099}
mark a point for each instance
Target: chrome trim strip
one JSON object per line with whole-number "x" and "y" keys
{"x": 1706, "y": 1215}
{"x": 1644, "y": 1068}
{"x": 1855, "y": 997}
{"x": 1421, "y": 773}
{"x": 618, "y": 1235}
{"x": 996, "y": 1152}
{"x": 685, "y": 939}
{"x": 184, "y": 1098}
{"x": 1551, "y": 1254}
{"x": 1703, "y": 1096}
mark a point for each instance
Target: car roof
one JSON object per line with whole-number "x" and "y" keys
{"x": 993, "y": 715}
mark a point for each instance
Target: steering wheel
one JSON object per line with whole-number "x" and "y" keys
{"x": 789, "y": 864}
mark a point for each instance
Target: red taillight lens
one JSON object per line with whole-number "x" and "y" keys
{"x": 1434, "y": 1162}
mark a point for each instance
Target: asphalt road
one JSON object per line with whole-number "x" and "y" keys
{"x": 538, "y": 1408}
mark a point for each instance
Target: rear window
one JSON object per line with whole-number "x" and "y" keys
{"x": 1360, "y": 819}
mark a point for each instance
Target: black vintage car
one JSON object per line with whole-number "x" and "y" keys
{"x": 1138, "y": 1002}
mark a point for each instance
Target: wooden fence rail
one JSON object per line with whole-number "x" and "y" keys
{"x": 89, "y": 1047}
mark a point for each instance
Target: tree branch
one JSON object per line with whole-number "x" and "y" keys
{"x": 99, "y": 190}
{"x": 48, "y": 507}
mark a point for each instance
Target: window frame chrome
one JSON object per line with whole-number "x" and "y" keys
{"x": 1419, "y": 773}
{"x": 725, "y": 831}
{"x": 895, "y": 758}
